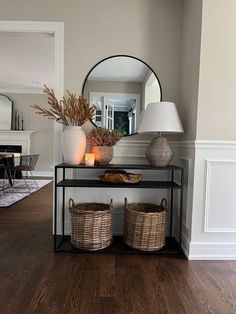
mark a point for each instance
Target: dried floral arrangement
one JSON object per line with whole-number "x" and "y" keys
{"x": 67, "y": 111}
{"x": 103, "y": 137}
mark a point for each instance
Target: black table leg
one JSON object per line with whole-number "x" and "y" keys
{"x": 4, "y": 161}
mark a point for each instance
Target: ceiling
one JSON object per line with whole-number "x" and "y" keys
{"x": 26, "y": 61}
{"x": 119, "y": 69}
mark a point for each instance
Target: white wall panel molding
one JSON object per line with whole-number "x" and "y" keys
{"x": 220, "y": 201}
{"x": 130, "y": 151}
{"x": 213, "y": 223}
{"x": 134, "y": 151}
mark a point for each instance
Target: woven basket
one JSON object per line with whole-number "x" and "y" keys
{"x": 145, "y": 225}
{"x": 91, "y": 225}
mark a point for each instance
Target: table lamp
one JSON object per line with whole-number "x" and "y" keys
{"x": 161, "y": 117}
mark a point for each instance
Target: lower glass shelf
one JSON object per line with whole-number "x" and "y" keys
{"x": 119, "y": 247}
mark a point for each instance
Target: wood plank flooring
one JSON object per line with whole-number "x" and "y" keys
{"x": 33, "y": 279}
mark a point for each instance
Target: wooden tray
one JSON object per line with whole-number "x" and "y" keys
{"x": 120, "y": 177}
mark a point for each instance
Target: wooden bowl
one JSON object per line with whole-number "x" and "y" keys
{"x": 122, "y": 177}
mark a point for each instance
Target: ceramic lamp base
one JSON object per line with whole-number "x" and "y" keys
{"x": 159, "y": 152}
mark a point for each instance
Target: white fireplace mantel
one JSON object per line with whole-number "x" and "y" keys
{"x": 12, "y": 137}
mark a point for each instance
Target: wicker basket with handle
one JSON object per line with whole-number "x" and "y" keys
{"x": 91, "y": 225}
{"x": 145, "y": 225}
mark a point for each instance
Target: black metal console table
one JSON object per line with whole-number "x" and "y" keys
{"x": 62, "y": 241}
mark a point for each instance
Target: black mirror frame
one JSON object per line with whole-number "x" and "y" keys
{"x": 122, "y": 55}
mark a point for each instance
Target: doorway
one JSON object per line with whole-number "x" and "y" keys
{"x": 56, "y": 31}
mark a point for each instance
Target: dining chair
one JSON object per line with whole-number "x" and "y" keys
{"x": 27, "y": 164}
{"x": 6, "y": 170}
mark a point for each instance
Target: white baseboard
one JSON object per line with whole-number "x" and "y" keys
{"x": 42, "y": 173}
{"x": 212, "y": 251}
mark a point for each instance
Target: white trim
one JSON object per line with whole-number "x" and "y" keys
{"x": 56, "y": 28}
{"x": 21, "y": 91}
{"x": 212, "y": 251}
{"x": 209, "y": 163}
{"x": 43, "y": 174}
{"x": 126, "y": 141}
{"x": 215, "y": 144}
{"x": 29, "y": 26}
{"x": 129, "y": 142}
{"x": 17, "y": 132}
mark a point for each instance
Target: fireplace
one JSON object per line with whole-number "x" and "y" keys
{"x": 11, "y": 148}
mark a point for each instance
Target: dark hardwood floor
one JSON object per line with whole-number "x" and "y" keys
{"x": 33, "y": 279}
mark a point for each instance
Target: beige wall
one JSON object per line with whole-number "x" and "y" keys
{"x": 217, "y": 83}
{"x": 192, "y": 16}
{"x": 112, "y": 87}
{"x": 150, "y": 30}
{"x": 42, "y": 140}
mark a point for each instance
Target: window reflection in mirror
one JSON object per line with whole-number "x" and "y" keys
{"x": 121, "y": 87}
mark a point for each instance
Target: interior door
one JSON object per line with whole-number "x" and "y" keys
{"x": 109, "y": 109}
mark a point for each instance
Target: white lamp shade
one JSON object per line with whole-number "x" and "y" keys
{"x": 160, "y": 117}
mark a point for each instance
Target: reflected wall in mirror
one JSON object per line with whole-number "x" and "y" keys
{"x": 6, "y": 107}
{"x": 121, "y": 87}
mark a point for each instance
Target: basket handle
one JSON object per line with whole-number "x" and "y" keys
{"x": 111, "y": 203}
{"x": 71, "y": 203}
{"x": 164, "y": 203}
{"x": 126, "y": 203}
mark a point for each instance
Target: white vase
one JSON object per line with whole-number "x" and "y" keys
{"x": 73, "y": 144}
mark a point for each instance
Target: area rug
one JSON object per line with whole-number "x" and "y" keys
{"x": 10, "y": 195}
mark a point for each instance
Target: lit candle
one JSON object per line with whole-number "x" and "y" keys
{"x": 89, "y": 159}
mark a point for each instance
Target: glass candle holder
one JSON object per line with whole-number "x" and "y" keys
{"x": 89, "y": 159}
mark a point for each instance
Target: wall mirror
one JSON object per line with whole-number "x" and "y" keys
{"x": 6, "y": 108}
{"x": 121, "y": 86}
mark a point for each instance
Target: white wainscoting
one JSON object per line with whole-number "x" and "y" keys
{"x": 214, "y": 201}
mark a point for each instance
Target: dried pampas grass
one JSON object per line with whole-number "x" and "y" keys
{"x": 103, "y": 137}
{"x": 68, "y": 111}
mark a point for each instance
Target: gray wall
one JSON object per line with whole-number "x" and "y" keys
{"x": 192, "y": 16}
{"x": 217, "y": 82}
{"x": 150, "y": 30}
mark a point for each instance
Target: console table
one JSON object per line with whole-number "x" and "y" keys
{"x": 62, "y": 241}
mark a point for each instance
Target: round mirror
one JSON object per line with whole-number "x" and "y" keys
{"x": 121, "y": 87}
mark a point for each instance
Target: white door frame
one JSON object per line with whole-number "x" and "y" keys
{"x": 56, "y": 28}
